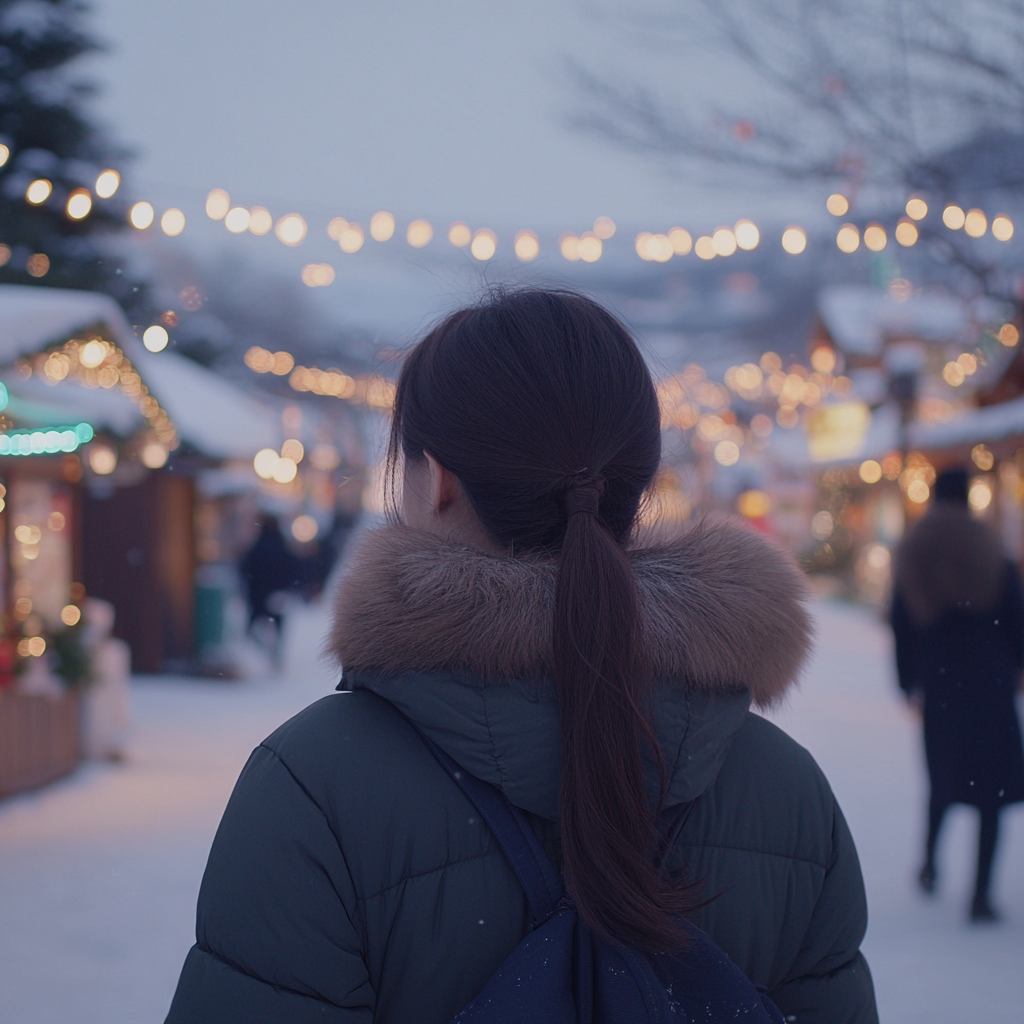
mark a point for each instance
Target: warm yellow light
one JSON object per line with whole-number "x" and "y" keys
{"x": 70, "y": 615}
{"x": 794, "y": 240}
{"x": 317, "y": 275}
{"x": 753, "y": 504}
{"x": 38, "y": 191}
{"x": 382, "y": 226}
{"x": 26, "y": 534}
{"x": 236, "y": 220}
{"x": 484, "y": 245}
{"x": 459, "y": 234}
{"x": 5, "y": 154}
{"x": 724, "y": 242}
{"x": 968, "y": 363}
{"x": 917, "y": 208}
{"x": 848, "y": 238}
{"x": 38, "y": 264}
{"x": 823, "y": 359}
{"x": 172, "y": 222}
{"x": 259, "y": 359}
{"x": 953, "y": 217}
{"x": 108, "y": 182}
{"x": 604, "y": 228}
{"x": 681, "y": 240}
{"x": 419, "y": 233}
{"x": 283, "y": 363}
{"x": 569, "y": 247}
{"x": 953, "y": 374}
{"x": 1002, "y": 227}
{"x": 92, "y": 353}
{"x": 155, "y": 338}
{"x": 305, "y": 529}
{"x": 657, "y": 248}
{"x": 906, "y": 232}
{"x": 875, "y": 237}
{"x": 154, "y": 456}
{"x": 284, "y": 471}
{"x": 704, "y": 247}
{"x": 527, "y": 246}
{"x": 590, "y": 248}
{"x": 291, "y": 229}
{"x": 837, "y": 204}
{"x": 218, "y": 202}
{"x": 351, "y": 239}
{"x": 975, "y": 223}
{"x": 761, "y": 425}
{"x": 260, "y": 220}
{"x": 918, "y": 491}
{"x": 102, "y": 460}
{"x": 79, "y": 204}
{"x": 264, "y": 463}
{"x": 36, "y": 646}
{"x": 335, "y": 226}
{"x": 870, "y": 471}
{"x": 822, "y": 525}
{"x": 980, "y": 495}
{"x": 293, "y": 449}
{"x": 57, "y": 366}
{"x": 747, "y": 235}
{"x": 1008, "y": 335}
{"x": 727, "y": 453}
{"x": 141, "y": 215}
{"x": 982, "y": 457}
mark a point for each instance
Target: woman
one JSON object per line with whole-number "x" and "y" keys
{"x": 958, "y": 617}
{"x": 601, "y": 682}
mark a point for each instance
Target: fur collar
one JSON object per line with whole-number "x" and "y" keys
{"x": 948, "y": 559}
{"x": 722, "y": 609}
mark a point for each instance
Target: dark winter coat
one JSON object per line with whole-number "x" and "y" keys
{"x": 958, "y": 618}
{"x": 351, "y": 881}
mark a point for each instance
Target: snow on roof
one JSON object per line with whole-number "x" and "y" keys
{"x": 859, "y": 319}
{"x": 992, "y": 423}
{"x": 211, "y": 414}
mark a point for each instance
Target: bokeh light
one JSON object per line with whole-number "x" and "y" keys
{"x": 172, "y": 222}
{"x": 264, "y": 462}
{"x": 236, "y": 220}
{"x": 154, "y": 455}
{"x": 569, "y": 247}
{"x": 906, "y": 232}
{"x": 351, "y": 238}
{"x": 747, "y": 235}
{"x": 317, "y": 275}
{"x": 727, "y": 453}
{"x": 723, "y": 241}
{"x": 848, "y": 238}
{"x": 291, "y": 229}
{"x": 794, "y": 240}
{"x": 260, "y": 220}
{"x": 382, "y": 226}
{"x": 102, "y": 460}
{"x": 953, "y": 217}
{"x": 141, "y": 215}
{"x": 527, "y": 246}
{"x": 218, "y": 202}
{"x": 484, "y": 244}
{"x": 293, "y": 449}
{"x": 979, "y": 497}
{"x": 870, "y": 471}
{"x": 953, "y": 374}
{"x": 70, "y": 614}
{"x": 92, "y": 353}
{"x": 459, "y": 234}
{"x": 704, "y": 247}
{"x": 823, "y": 359}
{"x": 79, "y": 204}
{"x": 917, "y": 208}
{"x": 590, "y": 247}
{"x": 284, "y": 471}
{"x": 107, "y": 183}
{"x": 1002, "y": 227}
{"x": 1008, "y": 335}
{"x": 419, "y": 233}
{"x": 875, "y": 238}
{"x": 681, "y": 241}
{"x": 604, "y": 228}
{"x": 975, "y": 223}
{"x": 304, "y": 529}
{"x": 837, "y": 204}
{"x": 155, "y": 338}
{"x": 5, "y": 154}
{"x": 753, "y": 504}
{"x": 38, "y": 191}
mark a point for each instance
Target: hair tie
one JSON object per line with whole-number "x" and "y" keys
{"x": 582, "y": 497}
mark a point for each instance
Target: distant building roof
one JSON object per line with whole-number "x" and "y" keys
{"x": 213, "y": 415}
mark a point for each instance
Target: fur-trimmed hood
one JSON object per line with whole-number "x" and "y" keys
{"x": 460, "y": 641}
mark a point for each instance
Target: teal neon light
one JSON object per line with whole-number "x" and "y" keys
{"x": 45, "y": 442}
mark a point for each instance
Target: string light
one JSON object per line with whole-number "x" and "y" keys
{"x": 1002, "y": 227}
{"x": 848, "y": 238}
{"x": 953, "y": 217}
{"x": 484, "y": 244}
{"x": 527, "y": 245}
{"x": 141, "y": 215}
{"x": 5, "y": 154}
{"x": 38, "y": 191}
{"x": 604, "y": 228}
{"x": 906, "y": 232}
{"x": 747, "y": 235}
{"x": 317, "y": 275}
{"x": 680, "y": 240}
{"x": 723, "y": 241}
{"x": 260, "y": 220}
{"x": 155, "y": 338}
{"x": 351, "y": 238}
{"x": 917, "y": 208}
{"x": 975, "y": 223}
{"x": 107, "y": 183}
{"x": 218, "y": 202}
{"x": 705, "y": 247}
{"x": 291, "y": 229}
{"x": 382, "y": 226}
{"x": 794, "y": 240}
{"x": 419, "y": 233}
{"x": 48, "y": 441}
{"x": 236, "y": 220}
{"x": 460, "y": 235}
{"x": 79, "y": 204}
{"x": 874, "y": 237}
{"x": 837, "y": 204}
{"x": 172, "y": 222}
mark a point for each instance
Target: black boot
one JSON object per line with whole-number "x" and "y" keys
{"x": 926, "y": 879}
{"x": 982, "y": 912}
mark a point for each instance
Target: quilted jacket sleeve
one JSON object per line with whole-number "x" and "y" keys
{"x": 829, "y": 982}
{"x": 277, "y": 930}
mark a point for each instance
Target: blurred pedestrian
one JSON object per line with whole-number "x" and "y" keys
{"x": 958, "y": 618}
{"x": 600, "y": 681}
{"x": 269, "y": 569}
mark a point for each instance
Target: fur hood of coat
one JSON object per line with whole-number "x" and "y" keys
{"x": 722, "y": 609}
{"x": 948, "y": 560}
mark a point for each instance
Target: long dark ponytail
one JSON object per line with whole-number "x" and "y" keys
{"x": 541, "y": 404}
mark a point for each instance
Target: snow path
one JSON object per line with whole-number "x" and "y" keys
{"x": 99, "y": 874}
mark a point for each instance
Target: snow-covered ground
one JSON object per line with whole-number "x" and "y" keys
{"x": 99, "y": 873}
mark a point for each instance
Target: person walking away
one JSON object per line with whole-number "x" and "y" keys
{"x": 597, "y": 679}
{"x": 958, "y": 619}
{"x": 268, "y": 569}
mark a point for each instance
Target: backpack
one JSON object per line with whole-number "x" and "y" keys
{"x": 562, "y": 973}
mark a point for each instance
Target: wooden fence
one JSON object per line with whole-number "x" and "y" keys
{"x": 39, "y": 739}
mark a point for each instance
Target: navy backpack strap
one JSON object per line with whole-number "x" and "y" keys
{"x": 537, "y": 875}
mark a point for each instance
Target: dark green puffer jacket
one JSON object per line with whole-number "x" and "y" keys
{"x": 351, "y": 881}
